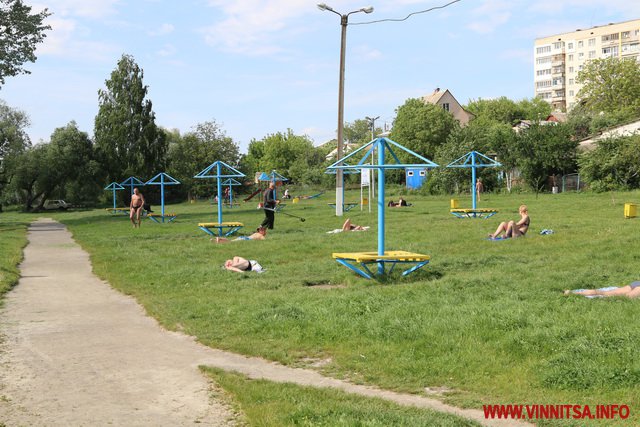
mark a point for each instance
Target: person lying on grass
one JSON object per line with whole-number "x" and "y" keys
{"x": 631, "y": 290}
{"x": 260, "y": 234}
{"x": 347, "y": 226}
{"x": 241, "y": 265}
{"x": 512, "y": 228}
{"x": 401, "y": 203}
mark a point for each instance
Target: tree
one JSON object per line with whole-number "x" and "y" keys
{"x": 613, "y": 165}
{"x": 127, "y": 139}
{"x": 504, "y": 110}
{"x": 194, "y": 151}
{"x": 13, "y": 141}
{"x": 20, "y": 32}
{"x": 422, "y": 127}
{"x": 543, "y": 151}
{"x": 610, "y": 85}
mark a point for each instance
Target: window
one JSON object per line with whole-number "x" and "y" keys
{"x": 445, "y": 106}
{"x": 592, "y": 54}
{"x": 557, "y": 82}
{"x": 581, "y": 55}
{"x": 543, "y": 49}
{"x": 423, "y": 173}
{"x": 611, "y": 37}
{"x": 545, "y": 83}
{"x": 571, "y": 70}
{"x": 544, "y": 60}
{"x": 632, "y": 47}
{"x": 543, "y": 72}
{"x": 559, "y": 93}
{"x": 592, "y": 42}
{"x": 570, "y": 45}
{"x": 571, "y": 57}
{"x": 570, "y": 93}
{"x": 626, "y": 34}
{"x": 610, "y": 51}
{"x": 570, "y": 81}
{"x": 557, "y": 45}
{"x": 409, "y": 173}
{"x": 580, "y": 43}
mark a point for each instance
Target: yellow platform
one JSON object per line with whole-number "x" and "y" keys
{"x": 388, "y": 256}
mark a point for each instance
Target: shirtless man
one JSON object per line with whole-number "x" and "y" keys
{"x": 136, "y": 206}
{"x": 260, "y": 234}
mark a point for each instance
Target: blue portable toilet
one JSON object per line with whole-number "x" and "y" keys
{"x": 415, "y": 177}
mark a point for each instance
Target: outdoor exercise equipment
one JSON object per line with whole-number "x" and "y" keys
{"x": 132, "y": 182}
{"x": 230, "y": 182}
{"x": 359, "y": 262}
{"x": 114, "y": 186}
{"x": 219, "y": 170}
{"x": 274, "y": 177}
{"x": 473, "y": 160}
{"x": 346, "y": 206}
{"x": 162, "y": 179}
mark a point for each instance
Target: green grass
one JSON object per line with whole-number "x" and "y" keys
{"x": 485, "y": 319}
{"x": 13, "y": 237}
{"x": 265, "y": 403}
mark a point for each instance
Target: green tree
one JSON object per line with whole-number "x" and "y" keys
{"x": 13, "y": 141}
{"x": 20, "y": 32}
{"x": 27, "y": 172}
{"x": 422, "y": 127}
{"x": 613, "y": 165}
{"x": 504, "y": 110}
{"x": 545, "y": 151}
{"x": 127, "y": 139}
{"x": 194, "y": 151}
{"x": 610, "y": 85}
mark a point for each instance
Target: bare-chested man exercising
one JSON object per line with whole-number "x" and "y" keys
{"x": 137, "y": 204}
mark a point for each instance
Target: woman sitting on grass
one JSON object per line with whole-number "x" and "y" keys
{"x": 240, "y": 265}
{"x": 632, "y": 290}
{"x": 513, "y": 229}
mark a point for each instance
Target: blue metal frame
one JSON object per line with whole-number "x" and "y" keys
{"x": 345, "y": 206}
{"x": 162, "y": 179}
{"x": 274, "y": 177}
{"x": 382, "y": 144}
{"x": 474, "y": 160}
{"x": 231, "y": 229}
{"x": 230, "y": 182}
{"x": 470, "y": 213}
{"x": 114, "y": 186}
{"x": 132, "y": 182}
{"x": 365, "y": 272}
{"x": 218, "y": 167}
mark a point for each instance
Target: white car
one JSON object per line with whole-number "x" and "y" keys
{"x": 52, "y": 205}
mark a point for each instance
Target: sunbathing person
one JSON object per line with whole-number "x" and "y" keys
{"x": 347, "y": 226}
{"x": 512, "y": 228}
{"x": 241, "y": 265}
{"x": 401, "y": 203}
{"x": 260, "y": 234}
{"x": 631, "y": 290}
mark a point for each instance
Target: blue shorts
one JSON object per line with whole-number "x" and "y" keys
{"x": 634, "y": 285}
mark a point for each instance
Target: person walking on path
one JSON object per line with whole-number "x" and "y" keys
{"x": 269, "y": 204}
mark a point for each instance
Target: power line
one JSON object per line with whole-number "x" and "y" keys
{"x": 406, "y": 17}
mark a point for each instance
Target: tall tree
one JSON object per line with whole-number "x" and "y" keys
{"x": 610, "y": 85}
{"x": 20, "y": 32}
{"x": 126, "y": 136}
{"x": 422, "y": 127}
{"x": 13, "y": 141}
{"x": 505, "y": 110}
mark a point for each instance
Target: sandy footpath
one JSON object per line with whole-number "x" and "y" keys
{"x": 75, "y": 352}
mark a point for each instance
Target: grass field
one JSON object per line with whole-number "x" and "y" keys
{"x": 485, "y": 320}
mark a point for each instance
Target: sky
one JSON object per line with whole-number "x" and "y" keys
{"x": 259, "y": 67}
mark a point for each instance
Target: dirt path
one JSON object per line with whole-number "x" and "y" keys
{"x": 76, "y": 352}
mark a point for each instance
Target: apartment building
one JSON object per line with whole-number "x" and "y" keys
{"x": 559, "y": 58}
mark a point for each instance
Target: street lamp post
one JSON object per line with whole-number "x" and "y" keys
{"x": 344, "y": 21}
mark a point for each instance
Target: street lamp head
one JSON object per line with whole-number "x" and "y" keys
{"x": 324, "y": 6}
{"x": 367, "y": 9}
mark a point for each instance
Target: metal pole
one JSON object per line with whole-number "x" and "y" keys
{"x": 344, "y": 19}
{"x": 381, "y": 206}
{"x": 230, "y": 197}
{"x": 114, "y": 198}
{"x": 162, "y": 195}
{"x": 473, "y": 180}
{"x": 219, "y": 188}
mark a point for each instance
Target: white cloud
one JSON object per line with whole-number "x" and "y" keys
{"x": 163, "y": 30}
{"x": 95, "y": 9}
{"x": 63, "y": 40}
{"x": 490, "y": 15}
{"x": 167, "y": 50}
{"x": 367, "y": 53}
{"x": 255, "y": 27}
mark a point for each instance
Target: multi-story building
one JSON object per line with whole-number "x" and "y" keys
{"x": 559, "y": 58}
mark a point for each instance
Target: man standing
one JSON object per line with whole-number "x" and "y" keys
{"x": 269, "y": 203}
{"x": 136, "y": 206}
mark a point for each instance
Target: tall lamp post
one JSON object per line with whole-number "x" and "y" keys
{"x": 344, "y": 21}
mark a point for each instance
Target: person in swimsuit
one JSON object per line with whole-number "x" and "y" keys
{"x": 513, "y": 228}
{"x": 135, "y": 207}
{"x": 631, "y": 290}
{"x": 241, "y": 265}
{"x": 347, "y": 226}
{"x": 260, "y": 234}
